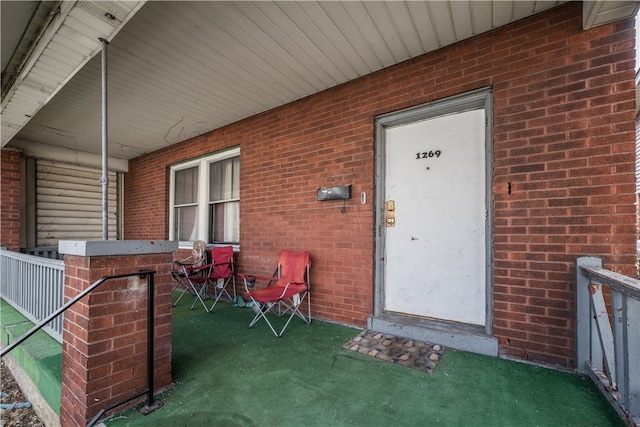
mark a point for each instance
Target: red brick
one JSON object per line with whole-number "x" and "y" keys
{"x": 105, "y": 337}
{"x": 10, "y": 175}
{"x": 571, "y": 171}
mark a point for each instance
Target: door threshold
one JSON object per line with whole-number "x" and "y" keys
{"x": 459, "y": 336}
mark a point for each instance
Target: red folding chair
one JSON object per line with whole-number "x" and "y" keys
{"x": 286, "y": 295}
{"x": 221, "y": 276}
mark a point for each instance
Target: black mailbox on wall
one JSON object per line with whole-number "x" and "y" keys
{"x": 334, "y": 193}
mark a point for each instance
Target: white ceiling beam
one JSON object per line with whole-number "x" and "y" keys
{"x": 65, "y": 155}
{"x": 600, "y": 12}
{"x": 82, "y": 21}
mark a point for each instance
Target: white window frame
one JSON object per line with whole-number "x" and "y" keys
{"x": 203, "y": 194}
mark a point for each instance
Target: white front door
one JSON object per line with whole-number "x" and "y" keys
{"x": 435, "y": 218}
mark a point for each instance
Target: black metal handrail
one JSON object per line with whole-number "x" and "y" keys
{"x": 151, "y": 404}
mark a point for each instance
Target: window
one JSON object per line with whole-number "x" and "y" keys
{"x": 205, "y": 199}
{"x": 186, "y": 204}
{"x": 224, "y": 196}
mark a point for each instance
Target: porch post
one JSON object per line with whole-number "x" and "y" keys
{"x": 105, "y": 146}
{"x": 583, "y": 308}
{"x": 104, "y": 358}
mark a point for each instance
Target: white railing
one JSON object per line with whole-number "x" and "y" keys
{"x": 44, "y": 252}
{"x": 34, "y": 286}
{"x": 608, "y": 342}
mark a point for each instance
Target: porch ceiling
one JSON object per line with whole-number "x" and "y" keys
{"x": 180, "y": 69}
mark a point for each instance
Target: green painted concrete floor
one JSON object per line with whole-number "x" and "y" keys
{"x": 39, "y": 356}
{"x": 228, "y": 375}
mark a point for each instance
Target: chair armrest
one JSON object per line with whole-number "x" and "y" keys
{"x": 186, "y": 266}
{"x": 185, "y": 261}
{"x": 189, "y": 261}
{"x": 249, "y": 280}
{"x": 200, "y": 268}
{"x": 253, "y": 276}
{"x": 191, "y": 270}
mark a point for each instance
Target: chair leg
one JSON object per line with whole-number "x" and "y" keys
{"x": 199, "y": 296}
{"x": 219, "y": 294}
{"x": 180, "y": 283}
{"x": 293, "y": 309}
{"x": 222, "y": 290}
{"x": 184, "y": 290}
{"x": 180, "y": 297}
{"x": 263, "y": 309}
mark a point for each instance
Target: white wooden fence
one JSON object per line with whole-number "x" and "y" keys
{"x": 34, "y": 286}
{"x": 608, "y": 342}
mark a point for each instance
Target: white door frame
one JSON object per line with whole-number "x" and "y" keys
{"x": 468, "y": 101}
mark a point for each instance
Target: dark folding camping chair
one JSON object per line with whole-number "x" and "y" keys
{"x": 190, "y": 266}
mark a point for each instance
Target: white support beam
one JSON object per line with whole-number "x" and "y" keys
{"x": 30, "y": 92}
{"x": 75, "y": 157}
{"x": 600, "y": 12}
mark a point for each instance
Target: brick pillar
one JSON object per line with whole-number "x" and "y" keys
{"x": 104, "y": 353}
{"x": 10, "y": 175}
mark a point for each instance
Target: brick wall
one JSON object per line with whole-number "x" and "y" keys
{"x": 10, "y": 200}
{"x": 563, "y": 139}
{"x": 105, "y": 334}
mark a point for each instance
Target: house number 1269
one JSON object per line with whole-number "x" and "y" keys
{"x": 428, "y": 154}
